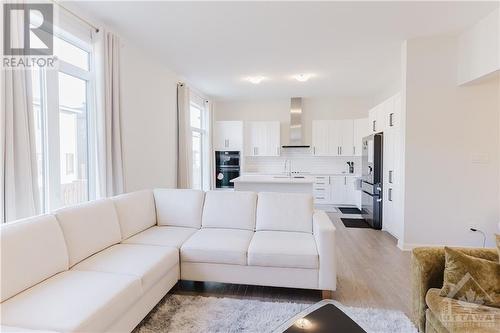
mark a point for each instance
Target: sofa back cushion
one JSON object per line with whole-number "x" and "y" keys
{"x": 136, "y": 212}
{"x": 32, "y": 250}
{"x": 233, "y": 210}
{"x": 179, "y": 207}
{"x": 89, "y": 228}
{"x": 285, "y": 212}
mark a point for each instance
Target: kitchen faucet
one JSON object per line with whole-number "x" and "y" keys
{"x": 289, "y": 172}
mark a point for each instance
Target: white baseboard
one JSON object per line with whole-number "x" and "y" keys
{"x": 410, "y": 246}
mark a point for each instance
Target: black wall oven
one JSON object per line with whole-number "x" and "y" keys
{"x": 227, "y": 167}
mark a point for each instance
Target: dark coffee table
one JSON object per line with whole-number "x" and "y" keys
{"x": 321, "y": 317}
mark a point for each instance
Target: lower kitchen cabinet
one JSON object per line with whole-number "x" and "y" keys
{"x": 336, "y": 190}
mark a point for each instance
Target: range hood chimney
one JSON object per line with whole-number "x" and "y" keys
{"x": 296, "y": 130}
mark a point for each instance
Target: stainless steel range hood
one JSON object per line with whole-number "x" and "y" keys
{"x": 296, "y": 130}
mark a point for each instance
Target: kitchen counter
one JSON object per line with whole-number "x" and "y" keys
{"x": 274, "y": 179}
{"x": 274, "y": 183}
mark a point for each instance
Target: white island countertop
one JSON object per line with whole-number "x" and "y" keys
{"x": 274, "y": 179}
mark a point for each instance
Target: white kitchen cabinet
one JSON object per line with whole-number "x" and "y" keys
{"x": 346, "y": 137}
{"x": 322, "y": 190}
{"x": 321, "y": 137}
{"x": 344, "y": 190}
{"x": 360, "y": 131}
{"x": 228, "y": 135}
{"x": 333, "y": 137}
{"x": 262, "y": 138}
{"x": 392, "y": 166}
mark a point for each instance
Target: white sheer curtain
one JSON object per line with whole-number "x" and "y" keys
{"x": 211, "y": 152}
{"x": 184, "y": 139}
{"x": 108, "y": 120}
{"x": 19, "y": 186}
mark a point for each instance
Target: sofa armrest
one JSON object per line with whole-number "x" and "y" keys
{"x": 427, "y": 269}
{"x": 324, "y": 235}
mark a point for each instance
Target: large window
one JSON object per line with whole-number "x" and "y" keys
{"x": 63, "y": 116}
{"x": 199, "y": 134}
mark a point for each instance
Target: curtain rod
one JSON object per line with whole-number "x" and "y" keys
{"x": 78, "y": 17}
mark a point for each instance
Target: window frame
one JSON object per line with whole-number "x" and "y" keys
{"x": 50, "y": 113}
{"x": 204, "y": 132}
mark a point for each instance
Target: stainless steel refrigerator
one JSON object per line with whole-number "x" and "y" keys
{"x": 372, "y": 182}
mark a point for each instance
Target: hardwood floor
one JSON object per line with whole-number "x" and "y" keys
{"x": 372, "y": 272}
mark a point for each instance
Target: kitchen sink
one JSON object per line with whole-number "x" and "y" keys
{"x": 289, "y": 177}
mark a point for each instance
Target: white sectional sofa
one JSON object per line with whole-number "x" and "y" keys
{"x": 103, "y": 265}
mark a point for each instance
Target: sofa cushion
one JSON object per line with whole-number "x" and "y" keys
{"x": 136, "y": 212}
{"x": 149, "y": 263}
{"x": 224, "y": 246}
{"x": 73, "y": 301}
{"x": 229, "y": 210}
{"x": 162, "y": 236}
{"x": 179, "y": 207}
{"x": 283, "y": 249}
{"x": 445, "y": 307}
{"x": 284, "y": 212}
{"x": 89, "y": 228}
{"x": 464, "y": 273}
{"x": 32, "y": 250}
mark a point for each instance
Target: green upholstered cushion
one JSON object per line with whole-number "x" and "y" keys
{"x": 471, "y": 279}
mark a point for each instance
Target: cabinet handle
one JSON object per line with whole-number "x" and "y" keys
{"x": 255, "y": 150}
{"x": 340, "y": 150}
{"x": 345, "y": 180}
{"x": 391, "y": 119}
{"x": 329, "y": 180}
{"x": 374, "y": 126}
{"x": 320, "y": 183}
{"x": 354, "y": 150}
{"x": 320, "y": 197}
{"x": 390, "y": 194}
{"x": 390, "y": 176}
{"x": 314, "y": 150}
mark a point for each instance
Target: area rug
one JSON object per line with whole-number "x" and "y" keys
{"x": 194, "y": 314}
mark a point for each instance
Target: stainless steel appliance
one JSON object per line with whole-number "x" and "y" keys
{"x": 227, "y": 167}
{"x": 371, "y": 184}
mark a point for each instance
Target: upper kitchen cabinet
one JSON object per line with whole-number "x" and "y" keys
{"x": 385, "y": 115}
{"x": 336, "y": 137}
{"x": 228, "y": 135}
{"x": 360, "y": 131}
{"x": 262, "y": 138}
{"x": 321, "y": 137}
{"x": 346, "y": 137}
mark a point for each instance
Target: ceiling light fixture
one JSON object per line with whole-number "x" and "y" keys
{"x": 303, "y": 77}
{"x": 255, "y": 79}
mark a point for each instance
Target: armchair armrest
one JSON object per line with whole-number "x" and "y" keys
{"x": 427, "y": 268}
{"x": 324, "y": 235}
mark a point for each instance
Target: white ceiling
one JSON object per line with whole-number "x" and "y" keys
{"x": 352, "y": 47}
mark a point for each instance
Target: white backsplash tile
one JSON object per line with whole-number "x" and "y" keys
{"x": 302, "y": 162}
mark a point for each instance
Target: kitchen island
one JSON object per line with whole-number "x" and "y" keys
{"x": 274, "y": 183}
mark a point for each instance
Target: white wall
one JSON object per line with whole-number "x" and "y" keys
{"x": 479, "y": 49}
{"x": 148, "y": 100}
{"x": 451, "y": 149}
{"x": 279, "y": 109}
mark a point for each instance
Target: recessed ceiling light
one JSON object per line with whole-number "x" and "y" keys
{"x": 255, "y": 79}
{"x": 303, "y": 77}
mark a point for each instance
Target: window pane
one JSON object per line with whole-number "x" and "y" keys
{"x": 195, "y": 117}
{"x": 197, "y": 151}
{"x": 73, "y": 139}
{"x": 39, "y": 128}
{"x": 71, "y": 53}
